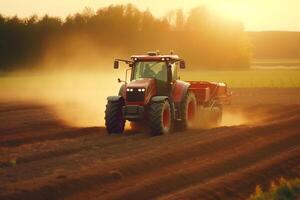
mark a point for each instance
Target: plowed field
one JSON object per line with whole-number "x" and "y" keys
{"x": 42, "y": 158}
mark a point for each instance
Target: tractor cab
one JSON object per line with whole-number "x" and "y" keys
{"x": 160, "y": 71}
{"x": 152, "y": 66}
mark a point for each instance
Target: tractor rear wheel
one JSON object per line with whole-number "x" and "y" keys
{"x": 160, "y": 118}
{"x": 188, "y": 112}
{"x": 114, "y": 120}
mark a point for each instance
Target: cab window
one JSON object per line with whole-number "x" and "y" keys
{"x": 150, "y": 69}
{"x": 174, "y": 70}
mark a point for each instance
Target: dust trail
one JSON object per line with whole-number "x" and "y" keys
{"x": 247, "y": 115}
{"x": 78, "y": 98}
{"x": 231, "y": 116}
{"x": 234, "y": 118}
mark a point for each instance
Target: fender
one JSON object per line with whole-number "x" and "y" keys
{"x": 122, "y": 92}
{"x": 159, "y": 98}
{"x": 162, "y": 99}
{"x": 115, "y": 98}
{"x": 180, "y": 89}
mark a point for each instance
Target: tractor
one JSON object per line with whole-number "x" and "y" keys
{"x": 156, "y": 96}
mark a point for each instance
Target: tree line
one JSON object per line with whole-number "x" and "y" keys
{"x": 204, "y": 39}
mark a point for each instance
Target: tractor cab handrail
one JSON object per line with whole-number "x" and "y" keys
{"x": 126, "y": 61}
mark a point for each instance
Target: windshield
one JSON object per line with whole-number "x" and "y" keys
{"x": 150, "y": 69}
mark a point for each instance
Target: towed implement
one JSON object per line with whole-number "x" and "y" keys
{"x": 155, "y": 96}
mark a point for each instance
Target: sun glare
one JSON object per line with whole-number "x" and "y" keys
{"x": 231, "y": 10}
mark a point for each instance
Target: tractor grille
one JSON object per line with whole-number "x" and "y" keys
{"x": 135, "y": 95}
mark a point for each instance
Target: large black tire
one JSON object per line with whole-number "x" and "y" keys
{"x": 188, "y": 112}
{"x": 160, "y": 118}
{"x": 114, "y": 120}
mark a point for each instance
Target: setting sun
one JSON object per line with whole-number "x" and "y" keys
{"x": 259, "y": 15}
{"x": 235, "y": 10}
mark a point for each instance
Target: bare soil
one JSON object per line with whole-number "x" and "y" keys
{"x": 42, "y": 158}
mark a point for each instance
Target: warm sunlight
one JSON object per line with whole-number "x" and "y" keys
{"x": 149, "y": 99}
{"x": 255, "y": 14}
{"x": 259, "y": 15}
{"x": 234, "y": 10}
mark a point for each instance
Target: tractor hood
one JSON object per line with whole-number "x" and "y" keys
{"x": 141, "y": 83}
{"x": 141, "y": 90}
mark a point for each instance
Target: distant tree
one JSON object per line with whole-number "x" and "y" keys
{"x": 204, "y": 39}
{"x": 179, "y": 20}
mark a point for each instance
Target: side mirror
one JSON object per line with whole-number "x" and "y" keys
{"x": 182, "y": 64}
{"x": 116, "y": 64}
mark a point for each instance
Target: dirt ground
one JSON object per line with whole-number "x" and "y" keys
{"x": 42, "y": 158}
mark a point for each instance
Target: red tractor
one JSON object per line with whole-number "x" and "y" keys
{"x": 157, "y": 97}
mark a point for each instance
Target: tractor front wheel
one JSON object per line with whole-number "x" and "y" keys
{"x": 160, "y": 118}
{"x": 114, "y": 120}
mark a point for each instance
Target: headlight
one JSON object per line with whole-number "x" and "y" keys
{"x": 139, "y": 89}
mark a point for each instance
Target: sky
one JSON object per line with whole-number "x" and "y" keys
{"x": 257, "y": 15}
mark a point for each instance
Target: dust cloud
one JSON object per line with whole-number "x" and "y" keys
{"x": 77, "y": 98}
{"x": 235, "y": 118}
{"x": 232, "y": 116}
{"x": 74, "y": 77}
